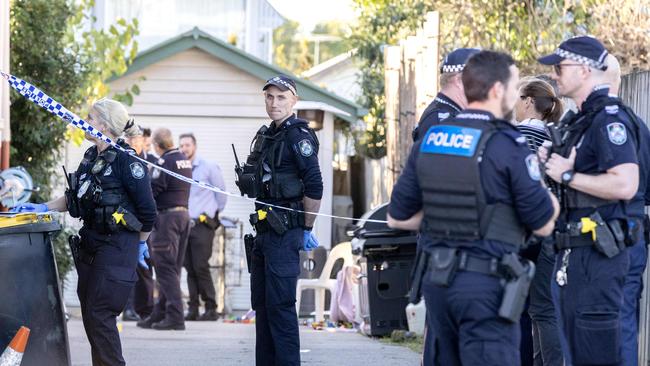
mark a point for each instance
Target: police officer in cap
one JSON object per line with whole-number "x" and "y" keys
{"x": 451, "y": 98}
{"x": 638, "y": 252}
{"x": 111, "y": 193}
{"x": 597, "y": 165}
{"x": 472, "y": 188}
{"x": 171, "y": 231}
{"x": 281, "y": 170}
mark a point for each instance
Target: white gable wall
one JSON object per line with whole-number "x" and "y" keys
{"x": 194, "y": 92}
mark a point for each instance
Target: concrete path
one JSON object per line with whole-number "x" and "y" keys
{"x": 210, "y": 343}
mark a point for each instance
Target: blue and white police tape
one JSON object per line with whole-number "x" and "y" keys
{"x": 37, "y": 96}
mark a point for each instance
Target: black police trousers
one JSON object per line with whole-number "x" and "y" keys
{"x": 274, "y": 276}
{"x": 141, "y": 299}
{"x": 106, "y": 276}
{"x": 547, "y": 349}
{"x": 464, "y": 322}
{"x": 589, "y": 306}
{"x": 199, "y": 279}
{"x": 168, "y": 241}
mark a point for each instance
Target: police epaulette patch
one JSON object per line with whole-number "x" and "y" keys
{"x": 611, "y": 109}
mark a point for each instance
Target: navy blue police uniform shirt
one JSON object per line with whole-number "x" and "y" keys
{"x": 300, "y": 155}
{"x": 509, "y": 175}
{"x": 442, "y": 107}
{"x": 168, "y": 191}
{"x": 636, "y": 206}
{"x": 609, "y": 141}
{"x": 132, "y": 176}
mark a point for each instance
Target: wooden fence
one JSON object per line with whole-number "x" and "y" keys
{"x": 635, "y": 92}
{"x": 411, "y": 82}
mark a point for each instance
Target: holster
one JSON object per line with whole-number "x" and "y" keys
{"x": 75, "y": 245}
{"x": 520, "y": 274}
{"x": 443, "y": 263}
{"x": 606, "y": 242}
{"x": 212, "y": 223}
{"x": 646, "y": 229}
{"x": 249, "y": 242}
{"x": 421, "y": 264}
{"x": 130, "y": 221}
{"x": 71, "y": 200}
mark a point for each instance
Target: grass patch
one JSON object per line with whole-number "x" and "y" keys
{"x": 414, "y": 343}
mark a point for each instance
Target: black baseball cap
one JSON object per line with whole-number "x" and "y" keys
{"x": 456, "y": 59}
{"x": 583, "y": 49}
{"x": 283, "y": 82}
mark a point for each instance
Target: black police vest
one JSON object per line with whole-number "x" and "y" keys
{"x": 259, "y": 177}
{"x": 99, "y": 192}
{"x": 448, "y": 169}
{"x": 572, "y": 133}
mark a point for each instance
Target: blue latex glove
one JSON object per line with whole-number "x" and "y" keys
{"x": 309, "y": 241}
{"x": 31, "y": 207}
{"x": 143, "y": 252}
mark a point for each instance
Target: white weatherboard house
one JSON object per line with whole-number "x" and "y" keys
{"x": 200, "y": 84}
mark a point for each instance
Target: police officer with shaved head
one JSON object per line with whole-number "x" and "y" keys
{"x": 171, "y": 231}
{"x": 472, "y": 188}
{"x": 283, "y": 171}
{"x": 451, "y": 98}
{"x": 597, "y": 164}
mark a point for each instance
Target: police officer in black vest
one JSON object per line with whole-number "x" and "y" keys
{"x": 447, "y": 103}
{"x": 282, "y": 170}
{"x": 451, "y": 98}
{"x": 171, "y": 231}
{"x": 597, "y": 163}
{"x": 111, "y": 193}
{"x": 472, "y": 188}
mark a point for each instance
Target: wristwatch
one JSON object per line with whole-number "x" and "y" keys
{"x": 567, "y": 177}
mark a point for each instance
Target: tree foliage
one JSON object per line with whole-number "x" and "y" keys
{"x": 380, "y": 23}
{"x": 290, "y": 53}
{"x": 525, "y": 29}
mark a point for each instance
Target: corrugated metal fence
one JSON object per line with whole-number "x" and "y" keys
{"x": 635, "y": 92}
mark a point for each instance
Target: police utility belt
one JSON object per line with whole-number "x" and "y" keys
{"x": 516, "y": 275}
{"x": 609, "y": 238}
{"x": 277, "y": 219}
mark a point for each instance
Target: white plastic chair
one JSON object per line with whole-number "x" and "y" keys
{"x": 324, "y": 282}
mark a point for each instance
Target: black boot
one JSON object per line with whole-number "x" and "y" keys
{"x": 148, "y": 321}
{"x": 166, "y": 324}
{"x": 129, "y": 315}
{"x": 209, "y": 315}
{"x": 192, "y": 314}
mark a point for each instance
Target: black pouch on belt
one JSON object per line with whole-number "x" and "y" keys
{"x": 278, "y": 220}
{"x": 443, "y": 263}
{"x": 605, "y": 242}
{"x": 634, "y": 231}
{"x": 516, "y": 289}
{"x": 249, "y": 242}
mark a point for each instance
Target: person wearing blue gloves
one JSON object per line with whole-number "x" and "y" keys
{"x": 282, "y": 170}
{"x": 111, "y": 193}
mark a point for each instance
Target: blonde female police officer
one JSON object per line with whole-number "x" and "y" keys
{"x": 111, "y": 193}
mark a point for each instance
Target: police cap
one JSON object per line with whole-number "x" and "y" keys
{"x": 283, "y": 82}
{"x": 583, "y": 49}
{"x": 456, "y": 59}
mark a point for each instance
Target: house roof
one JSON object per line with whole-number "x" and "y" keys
{"x": 329, "y": 64}
{"x": 197, "y": 38}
